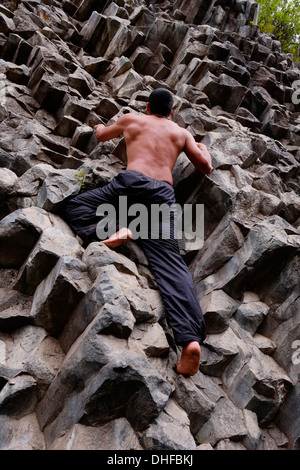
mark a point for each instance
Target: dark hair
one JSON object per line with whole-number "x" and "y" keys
{"x": 161, "y": 102}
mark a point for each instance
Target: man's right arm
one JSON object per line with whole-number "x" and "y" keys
{"x": 198, "y": 154}
{"x": 104, "y": 133}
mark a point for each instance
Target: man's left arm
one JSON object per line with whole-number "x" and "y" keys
{"x": 198, "y": 154}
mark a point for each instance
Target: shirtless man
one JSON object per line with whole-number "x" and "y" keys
{"x": 153, "y": 144}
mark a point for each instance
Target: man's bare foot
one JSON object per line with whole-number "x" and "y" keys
{"x": 190, "y": 359}
{"x": 118, "y": 238}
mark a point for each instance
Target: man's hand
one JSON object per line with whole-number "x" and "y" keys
{"x": 98, "y": 130}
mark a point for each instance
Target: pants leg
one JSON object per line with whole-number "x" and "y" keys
{"x": 173, "y": 278}
{"x": 175, "y": 283}
{"x": 80, "y": 211}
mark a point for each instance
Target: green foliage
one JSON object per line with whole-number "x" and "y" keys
{"x": 80, "y": 176}
{"x": 281, "y": 18}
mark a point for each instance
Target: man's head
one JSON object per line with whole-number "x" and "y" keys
{"x": 160, "y": 102}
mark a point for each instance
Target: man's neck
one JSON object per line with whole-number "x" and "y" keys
{"x": 159, "y": 116}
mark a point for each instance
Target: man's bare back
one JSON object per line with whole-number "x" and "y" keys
{"x": 153, "y": 144}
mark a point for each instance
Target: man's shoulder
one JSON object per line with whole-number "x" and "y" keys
{"x": 179, "y": 129}
{"x": 128, "y": 118}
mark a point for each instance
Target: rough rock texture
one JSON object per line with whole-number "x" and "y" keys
{"x": 86, "y": 357}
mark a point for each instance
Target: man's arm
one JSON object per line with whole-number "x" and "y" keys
{"x": 104, "y": 133}
{"x": 198, "y": 154}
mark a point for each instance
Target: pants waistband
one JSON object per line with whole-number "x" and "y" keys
{"x": 147, "y": 177}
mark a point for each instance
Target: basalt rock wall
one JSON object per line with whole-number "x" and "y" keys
{"x": 86, "y": 356}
